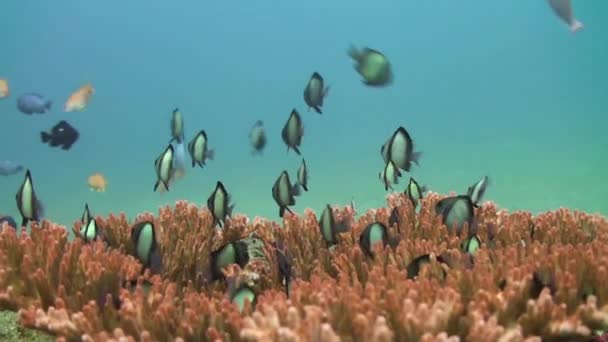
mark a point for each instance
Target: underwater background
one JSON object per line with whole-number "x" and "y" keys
{"x": 497, "y": 88}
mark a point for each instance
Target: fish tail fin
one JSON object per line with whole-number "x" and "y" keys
{"x": 305, "y": 187}
{"x": 318, "y": 110}
{"x": 45, "y": 137}
{"x": 416, "y": 157}
{"x": 48, "y": 104}
{"x": 210, "y": 154}
{"x": 156, "y": 185}
{"x": 576, "y": 26}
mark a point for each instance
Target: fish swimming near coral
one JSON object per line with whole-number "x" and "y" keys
{"x": 257, "y": 137}
{"x": 456, "y": 212}
{"x": 414, "y": 267}
{"x": 79, "y": 99}
{"x": 235, "y": 252}
{"x": 219, "y": 204}
{"x": 97, "y": 182}
{"x": 283, "y": 193}
{"x": 61, "y": 135}
{"x": 164, "y": 168}
{"x": 89, "y": 231}
{"x": 4, "y": 88}
{"x": 177, "y": 126}
{"x": 33, "y": 103}
{"x": 372, "y": 65}
{"x": 179, "y": 166}
{"x": 30, "y": 207}
{"x": 477, "y": 190}
{"x": 563, "y": 10}
{"x": 143, "y": 237}
{"x": 374, "y": 233}
{"x": 330, "y": 228}
{"x": 284, "y": 266}
{"x": 243, "y": 294}
{"x": 86, "y": 215}
{"x": 9, "y": 167}
{"x": 199, "y": 149}
{"x": 400, "y": 150}
{"x": 303, "y": 176}
{"x": 415, "y": 192}
{"x": 315, "y": 92}
{"x": 293, "y": 131}
{"x": 389, "y": 175}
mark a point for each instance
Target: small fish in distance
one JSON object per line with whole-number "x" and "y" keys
{"x": 9, "y": 167}
{"x": 257, "y": 137}
{"x": 563, "y": 9}
{"x": 315, "y": 92}
{"x": 164, "y": 168}
{"x": 283, "y": 193}
{"x": 372, "y": 65}
{"x": 4, "y": 89}
{"x": 79, "y": 99}
{"x": 31, "y": 103}
{"x": 62, "y": 135}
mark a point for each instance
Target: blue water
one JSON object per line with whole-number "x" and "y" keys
{"x": 484, "y": 87}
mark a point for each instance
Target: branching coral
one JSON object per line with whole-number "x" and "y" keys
{"x": 534, "y": 277}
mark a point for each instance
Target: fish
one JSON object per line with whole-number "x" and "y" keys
{"x": 8, "y": 220}
{"x": 563, "y": 10}
{"x": 177, "y": 126}
{"x": 389, "y": 175}
{"x": 400, "y": 150}
{"x": 315, "y": 92}
{"x": 199, "y": 149}
{"x": 31, "y": 103}
{"x": 374, "y": 233}
{"x": 284, "y": 266}
{"x": 30, "y": 207}
{"x": 235, "y": 252}
{"x": 243, "y": 294}
{"x": 219, "y": 204}
{"x": 89, "y": 231}
{"x": 303, "y": 176}
{"x": 4, "y": 88}
{"x": 477, "y": 190}
{"x": 456, "y": 211}
{"x": 372, "y": 65}
{"x": 79, "y": 99}
{"x": 329, "y": 227}
{"x": 414, "y": 191}
{"x": 9, "y": 167}
{"x": 97, "y": 182}
{"x": 293, "y": 131}
{"x": 284, "y": 193}
{"x": 143, "y": 237}
{"x": 164, "y": 168}
{"x": 86, "y": 215}
{"x": 471, "y": 244}
{"x": 257, "y": 137}
{"x": 394, "y": 219}
{"x": 61, "y": 135}
{"x": 413, "y": 268}
{"x": 179, "y": 166}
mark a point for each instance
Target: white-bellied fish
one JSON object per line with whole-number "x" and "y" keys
{"x": 242, "y": 295}
{"x": 389, "y": 175}
{"x": 374, "y": 233}
{"x": 219, "y": 204}
{"x": 563, "y": 9}
{"x": 456, "y": 211}
{"x": 257, "y": 137}
{"x": 143, "y": 237}
{"x": 293, "y": 131}
{"x": 303, "y": 175}
{"x": 315, "y": 92}
{"x": 477, "y": 190}
{"x": 177, "y": 126}
{"x": 89, "y": 231}
{"x": 414, "y": 191}
{"x": 400, "y": 150}
{"x": 414, "y": 267}
{"x": 199, "y": 149}
{"x": 372, "y": 65}
{"x": 30, "y": 207}
{"x": 283, "y": 193}
{"x": 164, "y": 168}
{"x": 235, "y": 252}
{"x": 330, "y": 228}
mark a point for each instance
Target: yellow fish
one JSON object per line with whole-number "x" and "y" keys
{"x": 4, "y": 92}
{"x": 78, "y": 101}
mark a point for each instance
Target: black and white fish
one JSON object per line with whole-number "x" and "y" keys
{"x": 257, "y": 137}
{"x": 315, "y": 92}
{"x": 145, "y": 245}
{"x": 477, "y": 190}
{"x": 89, "y": 231}
{"x": 389, "y": 175}
{"x": 199, "y": 150}
{"x": 283, "y": 193}
{"x": 400, "y": 150}
{"x": 164, "y": 168}
{"x": 372, "y": 65}
{"x": 293, "y": 131}
{"x": 374, "y": 233}
{"x": 219, "y": 204}
{"x": 284, "y": 265}
{"x": 86, "y": 215}
{"x": 329, "y": 227}
{"x": 62, "y": 135}
{"x": 31, "y": 103}
{"x": 456, "y": 211}
{"x": 414, "y": 191}
{"x": 30, "y": 207}
{"x": 8, "y": 220}
{"x": 9, "y": 167}
{"x": 177, "y": 126}
{"x": 303, "y": 175}
{"x": 236, "y": 252}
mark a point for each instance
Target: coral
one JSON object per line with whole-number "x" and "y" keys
{"x": 533, "y": 278}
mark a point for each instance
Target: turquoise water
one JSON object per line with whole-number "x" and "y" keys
{"x": 484, "y": 87}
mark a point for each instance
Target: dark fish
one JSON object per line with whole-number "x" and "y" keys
{"x": 257, "y": 137}
{"x": 303, "y": 176}
{"x": 219, "y": 204}
{"x": 400, "y": 150}
{"x": 563, "y": 9}
{"x": 456, "y": 211}
{"x": 284, "y": 193}
{"x": 8, "y": 220}
{"x": 329, "y": 227}
{"x": 199, "y": 149}
{"x": 389, "y": 175}
{"x": 413, "y": 269}
{"x": 315, "y": 92}
{"x": 539, "y": 283}
{"x": 29, "y": 206}
{"x": 9, "y": 167}
{"x": 86, "y": 215}
{"x": 477, "y": 190}
{"x": 284, "y": 266}
{"x": 293, "y": 131}
{"x": 372, "y": 234}
{"x": 231, "y": 253}
{"x": 62, "y": 134}
{"x": 164, "y": 168}
{"x": 145, "y": 245}
{"x": 372, "y": 65}
{"x": 243, "y": 294}
{"x": 415, "y": 192}
{"x": 394, "y": 220}
{"x": 89, "y": 231}
{"x": 177, "y": 127}
{"x": 31, "y": 103}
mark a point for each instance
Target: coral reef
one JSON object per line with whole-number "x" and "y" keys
{"x": 533, "y": 278}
